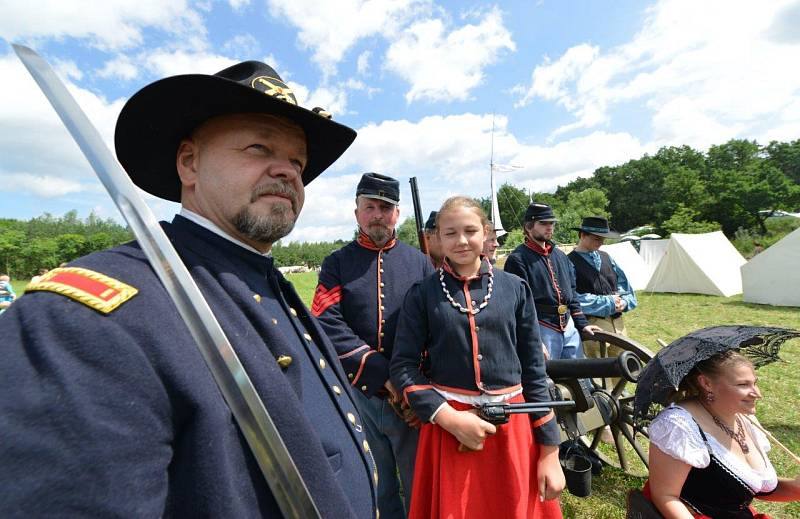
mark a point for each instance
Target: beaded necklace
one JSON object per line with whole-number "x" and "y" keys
{"x": 737, "y": 436}
{"x": 457, "y": 305}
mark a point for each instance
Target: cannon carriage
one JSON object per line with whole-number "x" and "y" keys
{"x": 603, "y": 389}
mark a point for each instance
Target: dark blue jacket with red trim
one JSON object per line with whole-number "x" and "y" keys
{"x": 117, "y": 415}
{"x": 361, "y": 288}
{"x": 497, "y": 351}
{"x": 550, "y": 274}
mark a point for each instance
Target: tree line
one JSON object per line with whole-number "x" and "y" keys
{"x": 731, "y": 188}
{"x": 47, "y": 241}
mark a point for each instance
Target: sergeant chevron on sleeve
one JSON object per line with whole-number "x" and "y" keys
{"x": 360, "y": 292}
{"x": 108, "y": 408}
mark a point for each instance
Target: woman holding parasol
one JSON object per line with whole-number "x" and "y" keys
{"x": 708, "y": 454}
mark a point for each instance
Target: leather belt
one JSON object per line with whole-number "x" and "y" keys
{"x": 551, "y": 309}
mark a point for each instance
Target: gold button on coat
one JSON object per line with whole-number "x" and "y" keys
{"x": 257, "y": 298}
{"x": 284, "y": 361}
{"x": 293, "y": 312}
{"x": 352, "y": 418}
{"x": 322, "y": 363}
{"x": 307, "y": 337}
{"x": 337, "y": 390}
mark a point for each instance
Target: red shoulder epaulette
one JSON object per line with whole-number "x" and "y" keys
{"x": 91, "y": 288}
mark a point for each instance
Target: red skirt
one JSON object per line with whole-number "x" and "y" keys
{"x": 756, "y": 515}
{"x": 498, "y": 481}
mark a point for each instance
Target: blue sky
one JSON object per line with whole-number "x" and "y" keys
{"x": 571, "y": 86}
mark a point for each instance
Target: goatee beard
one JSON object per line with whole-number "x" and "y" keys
{"x": 273, "y": 226}
{"x": 378, "y": 234}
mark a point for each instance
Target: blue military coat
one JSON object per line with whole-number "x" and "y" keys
{"x": 361, "y": 288}
{"x": 494, "y": 352}
{"x": 117, "y": 414}
{"x": 549, "y": 273}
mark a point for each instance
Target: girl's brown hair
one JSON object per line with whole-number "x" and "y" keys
{"x": 711, "y": 367}
{"x": 455, "y": 202}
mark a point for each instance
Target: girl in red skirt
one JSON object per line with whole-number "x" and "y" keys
{"x": 467, "y": 336}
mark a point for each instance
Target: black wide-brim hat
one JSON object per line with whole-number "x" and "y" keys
{"x": 598, "y": 226}
{"x": 155, "y": 120}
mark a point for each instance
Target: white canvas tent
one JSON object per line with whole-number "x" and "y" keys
{"x": 773, "y": 277}
{"x": 699, "y": 264}
{"x": 630, "y": 262}
{"x": 651, "y": 252}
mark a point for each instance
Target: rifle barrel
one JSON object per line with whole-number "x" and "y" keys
{"x": 418, "y": 217}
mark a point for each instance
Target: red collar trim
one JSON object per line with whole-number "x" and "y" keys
{"x": 544, "y": 251}
{"x": 482, "y": 271}
{"x": 365, "y": 241}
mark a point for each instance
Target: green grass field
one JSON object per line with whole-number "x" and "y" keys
{"x": 19, "y": 286}
{"x": 667, "y": 317}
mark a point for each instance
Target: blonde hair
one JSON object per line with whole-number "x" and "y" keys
{"x": 454, "y": 202}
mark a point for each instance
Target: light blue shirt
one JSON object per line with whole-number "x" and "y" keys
{"x": 7, "y": 294}
{"x": 603, "y": 305}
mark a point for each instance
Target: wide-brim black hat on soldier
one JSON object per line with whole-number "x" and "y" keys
{"x": 598, "y": 226}
{"x": 155, "y": 120}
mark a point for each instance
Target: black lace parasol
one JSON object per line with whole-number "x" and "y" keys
{"x": 661, "y": 376}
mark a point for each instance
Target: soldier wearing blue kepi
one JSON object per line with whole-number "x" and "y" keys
{"x": 358, "y": 299}
{"x": 108, "y": 408}
{"x": 550, "y": 275}
{"x": 435, "y": 252}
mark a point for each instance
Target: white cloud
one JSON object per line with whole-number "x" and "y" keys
{"x": 682, "y": 120}
{"x": 238, "y": 5}
{"x": 33, "y": 139}
{"x": 331, "y": 98}
{"x": 242, "y": 46}
{"x": 354, "y": 84}
{"x": 330, "y": 29}
{"x": 442, "y": 66}
{"x": 546, "y": 167}
{"x": 110, "y": 24}
{"x": 67, "y": 69}
{"x": 362, "y": 63}
{"x": 328, "y": 211}
{"x": 450, "y": 155}
{"x": 165, "y": 63}
{"x": 120, "y": 67}
{"x": 731, "y": 56}
{"x": 550, "y": 81}
{"x": 45, "y": 186}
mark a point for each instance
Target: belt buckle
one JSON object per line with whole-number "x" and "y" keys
{"x": 562, "y": 309}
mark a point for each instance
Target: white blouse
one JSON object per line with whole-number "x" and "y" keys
{"x": 674, "y": 432}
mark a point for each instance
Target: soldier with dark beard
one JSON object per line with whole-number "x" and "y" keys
{"x": 550, "y": 275}
{"x": 358, "y": 299}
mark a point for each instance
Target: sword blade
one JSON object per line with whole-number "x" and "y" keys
{"x": 262, "y": 436}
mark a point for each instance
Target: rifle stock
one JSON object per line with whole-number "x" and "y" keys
{"x": 418, "y": 218}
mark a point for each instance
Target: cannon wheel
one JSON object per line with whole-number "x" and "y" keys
{"x": 628, "y": 442}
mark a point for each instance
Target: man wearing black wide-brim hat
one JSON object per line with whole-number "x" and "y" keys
{"x": 548, "y": 272}
{"x": 361, "y": 289}
{"x": 603, "y": 288}
{"x": 108, "y": 407}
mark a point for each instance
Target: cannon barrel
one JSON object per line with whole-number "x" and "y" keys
{"x": 627, "y": 365}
